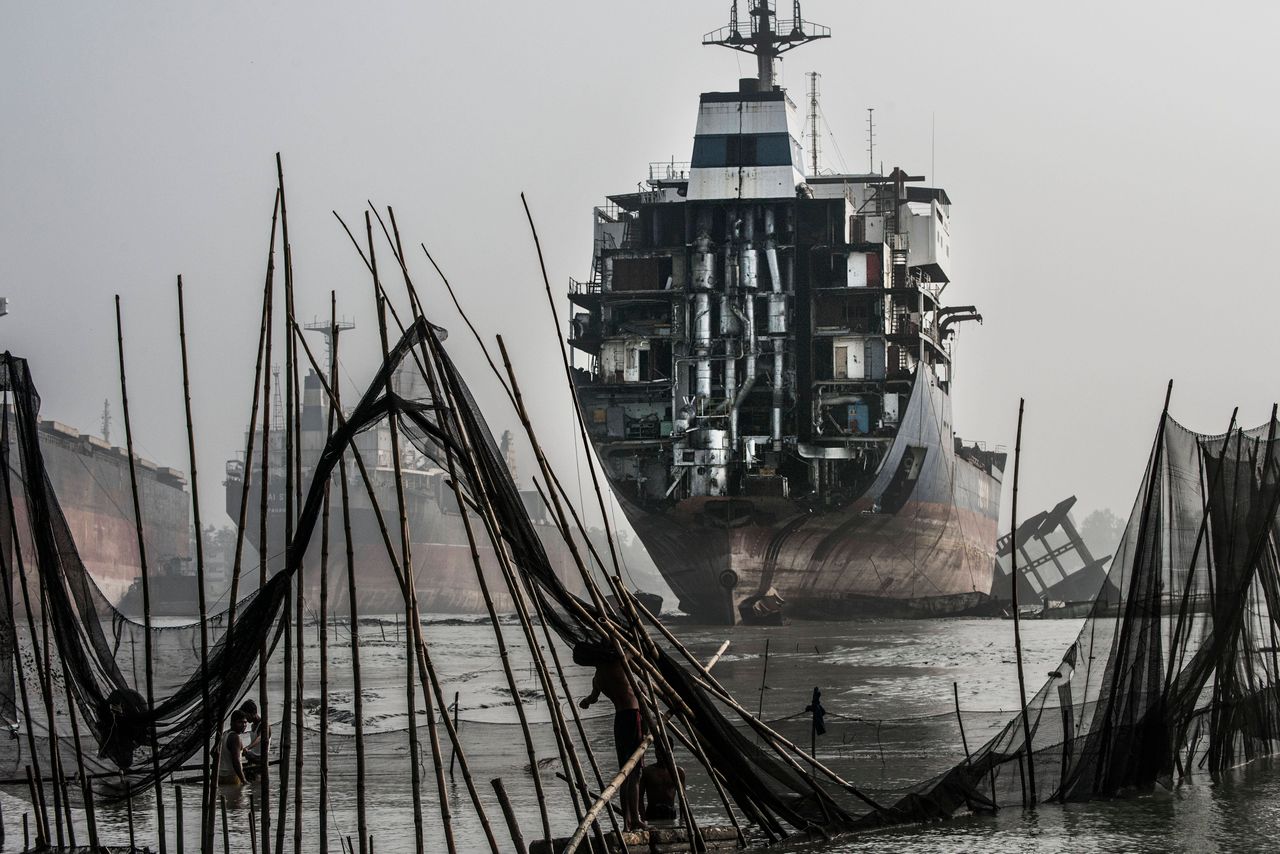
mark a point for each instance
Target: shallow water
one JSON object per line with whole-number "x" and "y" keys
{"x": 887, "y": 687}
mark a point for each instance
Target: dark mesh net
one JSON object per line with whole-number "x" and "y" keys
{"x": 1177, "y": 673}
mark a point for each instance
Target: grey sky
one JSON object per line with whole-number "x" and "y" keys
{"x": 1110, "y": 165}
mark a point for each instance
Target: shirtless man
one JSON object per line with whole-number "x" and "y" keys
{"x": 660, "y": 791}
{"x": 628, "y": 725}
{"x": 231, "y": 765}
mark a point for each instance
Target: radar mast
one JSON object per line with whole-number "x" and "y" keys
{"x": 768, "y": 37}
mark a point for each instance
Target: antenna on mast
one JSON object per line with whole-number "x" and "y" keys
{"x": 871, "y": 140}
{"x": 768, "y": 38}
{"x": 328, "y": 332}
{"x": 106, "y": 420}
{"x": 814, "y": 77}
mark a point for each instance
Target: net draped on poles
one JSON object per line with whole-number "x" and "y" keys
{"x": 1177, "y": 672}
{"x": 1174, "y": 671}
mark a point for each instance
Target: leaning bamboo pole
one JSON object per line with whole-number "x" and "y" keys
{"x": 357, "y": 690}
{"x": 206, "y": 712}
{"x": 564, "y": 743}
{"x": 324, "y": 596}
{"x": 406, "y": 554}
{"x": 623, "y": 772}
{"x": 1017, "y": 633}
{"x": 425, "y": 663}
{"x": 42, "y": 673}
{"x": 13, "y": 538}
{"x": 264, "y": 725}
{"x": 294, "y": 414}
{"x": 425, "y": 668}
{"x": 290, "y": 486}
{"x": 642, "y": 690}
{"x": 146, "y": 587}
{"x": 209, "y": 810}
{"x": 55, "y": 743}
{"x": 614, "y": 580}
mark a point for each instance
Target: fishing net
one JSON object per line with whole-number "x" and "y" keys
{"x": 1180, "y": 674}
{"x": 1176, "y": 673}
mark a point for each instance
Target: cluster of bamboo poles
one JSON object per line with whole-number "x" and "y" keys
{"x": 625, "y": 625}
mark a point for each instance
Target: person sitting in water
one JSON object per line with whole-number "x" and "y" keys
{"x": 659, "y": 791}
{"x": 628, "y": 726}
{"x": 231, "y": 764}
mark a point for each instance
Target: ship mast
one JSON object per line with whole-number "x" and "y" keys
{"x": 768, "y": 38}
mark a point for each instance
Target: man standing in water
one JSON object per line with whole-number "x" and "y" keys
{"x": 628, "y": 725}
{"x": 230, "y": 766}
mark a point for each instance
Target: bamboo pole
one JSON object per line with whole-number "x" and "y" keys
{"x": 563, "y": 741}
{"x": 1017, "y": 633}
{"x": 564, "y": 744}
{"x": 498, "y": 633}
{"x": 324, "y": 596}
{"x": 207, "y": 780}
{"x": 652, "y": 722}
{"x": 177, "y": 820}
{"x": 369, "y": 491}
{"x": 209, "y": 810}
{"x": 264, "y": 776}
{"x": 292, "y": 625}
{"x": 37, "y": 804}
{"x": 406, "y": 556}
{"x": 513, "y": 826}
{"x": 424, "y": 366}
{"x": 146, "y": 586}
{"x": 37, "y": 786}
{"x": 616, "y": 783}
{"x": 253, "y": 830}
{"x": 362, "y": 826}
{"x": 86, "y": 787}
{"x": 615, "y": 580}
{"x": 955, "y": 692}
{"x": 426, "y": 670}
{"x": 61, "y": 811}
{"x": 573, "y": 706}
{"x": 226, "y": 834}
{"x": 294, "y": 414}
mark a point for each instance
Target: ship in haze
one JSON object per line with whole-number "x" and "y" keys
{"x": 769, "y": 370}
{"x": 90, "y": 476}
{"x": 444, "y": 573}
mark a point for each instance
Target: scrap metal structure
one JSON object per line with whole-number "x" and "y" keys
{"x": 769, "y": 371}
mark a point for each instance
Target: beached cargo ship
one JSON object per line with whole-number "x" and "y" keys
{"x": 444, "y": 573}
{"x": 769, "y": 369}
{"x": 90, "y": 476}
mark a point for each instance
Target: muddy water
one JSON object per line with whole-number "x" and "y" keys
{"x": 887, "y": 687}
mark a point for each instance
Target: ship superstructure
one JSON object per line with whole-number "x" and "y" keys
{"x": 769, "y": 371}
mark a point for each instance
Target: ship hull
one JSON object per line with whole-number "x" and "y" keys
{"x": 445, "y": 577}
{"x": 931, "y": 556}
{"x": 92, "y": 482}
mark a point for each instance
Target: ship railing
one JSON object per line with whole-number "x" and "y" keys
{"x": 577, "y": 287}
{"x": 669, "y": 170}
{"x": 608, "y": 211}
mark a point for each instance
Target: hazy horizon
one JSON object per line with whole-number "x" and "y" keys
{"x": 1105, "y": 164}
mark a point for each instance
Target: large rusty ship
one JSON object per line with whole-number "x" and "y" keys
{"x": 91, "y": 479}
{"x": 769, "y": 370}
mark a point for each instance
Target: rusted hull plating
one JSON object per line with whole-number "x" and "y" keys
{"x": 932, "y": 556}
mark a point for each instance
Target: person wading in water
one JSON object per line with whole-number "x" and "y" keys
{"x": 628, "y": 725}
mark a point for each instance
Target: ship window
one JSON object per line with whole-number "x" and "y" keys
{"x": 766, "y": 149}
